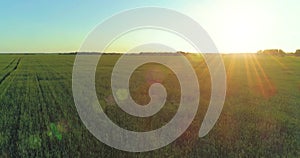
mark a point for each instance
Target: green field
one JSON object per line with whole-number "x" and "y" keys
{"x": 260, "y": 118}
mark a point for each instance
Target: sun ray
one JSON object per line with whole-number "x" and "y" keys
{"x": 271, "y": 88}
{"x": 279, "y": 62}
{"x": 249, "y": 76}
{"x": 257, "y": 76}
{"x": 231, "y": 68}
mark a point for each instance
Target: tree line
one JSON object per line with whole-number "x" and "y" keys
{"x": 278, "y": 52}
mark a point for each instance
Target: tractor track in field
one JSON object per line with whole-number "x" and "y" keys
{"x": 43, "y": 99}
{"x": 10, "y": 63}
{"x": 14, "y": 131}
{"x": 11, "y": 71}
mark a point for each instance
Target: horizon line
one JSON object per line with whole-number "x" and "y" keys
{"x": 221, "y": 52}
{"x": 146, "y": 52}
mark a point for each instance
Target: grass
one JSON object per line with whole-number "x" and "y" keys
{"x": 260, "y": 117}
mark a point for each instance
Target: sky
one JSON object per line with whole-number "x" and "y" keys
{"x": 234, "y": 25}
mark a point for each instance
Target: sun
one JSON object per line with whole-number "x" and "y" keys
{"x": 236, "y": 26}
{"x": 241, "y": 29}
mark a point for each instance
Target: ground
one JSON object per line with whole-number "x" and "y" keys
{"x": 260, "y": 117}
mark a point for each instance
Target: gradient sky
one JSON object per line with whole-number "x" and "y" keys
{"x": 234, "y": 25}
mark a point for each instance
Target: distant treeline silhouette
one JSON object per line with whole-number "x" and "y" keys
{"x": 278, "y": 52}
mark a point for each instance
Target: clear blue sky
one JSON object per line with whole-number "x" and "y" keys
{"x": 234, "y": 25}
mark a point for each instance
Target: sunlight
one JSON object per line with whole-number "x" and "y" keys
{"x": 271, "y": 89}
{"x": 249, "y": 77}
{"x": 236, "y": 26}
{"x": 258, "y": 79}
{"x": 231, "y": 68}
{"x": 279, "y": 62}
{"x": 241, "y": 29}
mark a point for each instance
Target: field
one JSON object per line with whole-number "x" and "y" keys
{"x": 260, "y": 118}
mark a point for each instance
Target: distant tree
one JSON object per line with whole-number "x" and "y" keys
{"x": 275, "y": 52}
{"x": 181, "y": 52}
{"x": 297, "y": 53}
{"x": 281, "y": 52}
